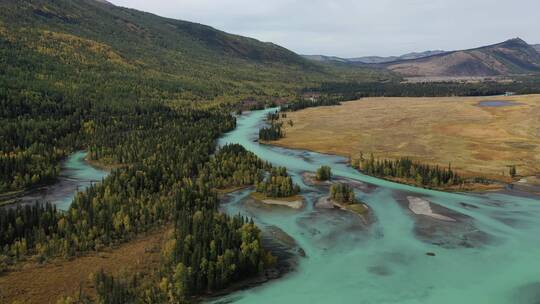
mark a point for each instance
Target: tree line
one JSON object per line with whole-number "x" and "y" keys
{"x": 356, "y": 90}
{"x": 342, "y": 193}
{"x": 275, "y": 129}
{"x": 301, "y": 103}
{"x": 422, "y": 174}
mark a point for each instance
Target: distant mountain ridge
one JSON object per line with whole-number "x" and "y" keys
{"x": 373, "y": 59}
{"x": 512, "y": 57}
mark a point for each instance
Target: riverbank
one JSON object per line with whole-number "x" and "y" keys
{"x": 101, "y": 165}
{"x": 465, "y": 187}
{"x": 9, "y": 198}
{"x": 287, "y": 253}
{"x": 76, "y": 174}
{"x": 360, "y": 209}
{"x": 310, "y": 179}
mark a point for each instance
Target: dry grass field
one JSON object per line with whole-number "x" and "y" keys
{"x": 476, "y": 140}
{"x": 42, "y": 284}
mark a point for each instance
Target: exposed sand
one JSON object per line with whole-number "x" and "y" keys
{"x": 422, "y": 207}
{"x": 311, "y": 179}
{"x": 296, "y": 204}
{"x": 324, "y": 203}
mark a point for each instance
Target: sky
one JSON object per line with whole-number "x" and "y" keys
{"x": 349, "y": 28}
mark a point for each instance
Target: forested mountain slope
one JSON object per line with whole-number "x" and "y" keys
{"x": 149, "y": 96}
{"x": 192, "y": 61}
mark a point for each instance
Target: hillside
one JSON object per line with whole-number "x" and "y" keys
{"x": 511, "y": 57}
{"x": 187, "y": 61}
{"x": 147, "y": 96}
{"x": 537, "y": 47}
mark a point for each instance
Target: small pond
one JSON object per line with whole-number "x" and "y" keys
{"x": 497, "y": 103}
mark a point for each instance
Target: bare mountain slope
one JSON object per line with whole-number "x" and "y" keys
{"x": 511, "y": 57}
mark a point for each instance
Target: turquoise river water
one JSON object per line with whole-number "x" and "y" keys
{"x": 75, "y": 175}
{"x": 490, "y": 254}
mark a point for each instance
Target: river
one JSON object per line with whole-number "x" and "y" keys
{"x": 490, "y": 254}
{"x": 75, "y": 176}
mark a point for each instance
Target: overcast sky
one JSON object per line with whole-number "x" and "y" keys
{"x": 351, "y": 28}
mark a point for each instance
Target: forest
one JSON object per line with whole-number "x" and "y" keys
{"x": 345, "y": 90}
{"x": 422, "y": 174}
{"x": 169, "y": 166}
{"x": 274, "y": 130}
{"x": 300, "y": 103}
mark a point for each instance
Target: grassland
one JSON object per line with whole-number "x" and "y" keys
{"x": 46, "y": 283}
{"x": 477, "y": 141}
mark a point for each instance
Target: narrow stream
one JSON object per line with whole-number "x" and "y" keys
{"x": 75, "y": 176}
{"x": 489, "y": 254}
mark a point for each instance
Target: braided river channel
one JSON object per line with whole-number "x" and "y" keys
{"x": 479, "y": 248}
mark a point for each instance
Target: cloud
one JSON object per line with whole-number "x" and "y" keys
{"x": 356, "y": 28}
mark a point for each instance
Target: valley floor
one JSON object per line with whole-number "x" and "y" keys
{"x": 476, "y": 140}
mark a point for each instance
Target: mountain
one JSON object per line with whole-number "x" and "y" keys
{"x": 72, "y": 41}
{"x": 536, "y": 47}
{"x": 372, "y": 59}
{"x": 511, "y": 57}
{"x": 323, "y": 58}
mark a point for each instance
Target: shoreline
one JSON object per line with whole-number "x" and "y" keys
{"x": 420, "y": 206}
{"x": 359, "y": 208}
{"x": 281, "y": 245}
{"x": 100, "y": 165}
{"x": 14, "y": 197}
{"x": 480, "y": 188}
{"x": 497, "y": 185}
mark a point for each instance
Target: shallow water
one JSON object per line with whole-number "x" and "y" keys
{"x": 75, "y": 176}
{"x": 490, "y": 256}
{"x": 497, "y": 103}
